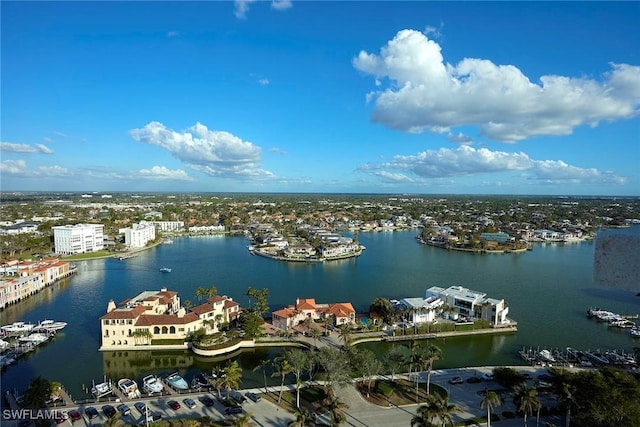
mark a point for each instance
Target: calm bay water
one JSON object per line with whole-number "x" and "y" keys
{"x": 548, "y": 290}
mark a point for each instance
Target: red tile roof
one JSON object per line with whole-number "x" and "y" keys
{"x": 306, "y": 304}
{"x": 285, "y": 313}
{"x": 165, "y": 319}
{"x": 125, "y": 313}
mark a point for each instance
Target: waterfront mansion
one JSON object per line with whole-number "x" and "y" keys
{"x": 339, "y": 313}
{"x": 454, "y": 302}
{"x": 151, "y": 315}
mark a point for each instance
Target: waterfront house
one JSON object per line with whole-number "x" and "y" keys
{"x": 159, "y": 315}
{"x": 291, "y": 316}
{"x": 472, "y": 304}
{"x": 421, "y": 310}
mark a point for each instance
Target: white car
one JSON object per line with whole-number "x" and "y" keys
{"x": 487, "y": 377}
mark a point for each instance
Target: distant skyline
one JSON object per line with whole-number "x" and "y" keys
{"x": 328, "y": 97}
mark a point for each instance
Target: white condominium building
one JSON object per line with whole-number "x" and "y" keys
{"x": 139, "y": 235}
{"x": 79, "y": 238}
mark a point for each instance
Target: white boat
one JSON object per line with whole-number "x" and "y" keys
{"x": 50, "y": 325}
{"x": 21, "y": 327}
{"x": 129, "y": 388}
{"x": 546, "y": 356}
{"x": 6, "y": 360}
{"x": 102, "y": 389}
{"x": 151, "y": 384}
{"x": 35, "y": 338}
{"x": 4, "y": 345}
{"x": 177, "y": 382}
{"x": 635, "y": 332}
{"x": 165, "y": 270}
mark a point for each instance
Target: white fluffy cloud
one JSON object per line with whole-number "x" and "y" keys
{"x": 13, "y": 166}
{"x": 25, "y": 148}
{"x": 216, "y": 153}
{"x": 425, "y": 93}
{"x": 162, "y": 173}
{"x": 241, "y": 7}
{"x": 468, "y": 161}
{"x": 281, "y": 4}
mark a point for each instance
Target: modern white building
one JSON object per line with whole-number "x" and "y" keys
{"x": 79, "y": 238}
{"x": 422, "y": 310}
{"x": 139, "y": 235}
{"x": 472, "y": 304}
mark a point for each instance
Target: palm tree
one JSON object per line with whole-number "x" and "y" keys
{"x": 244, "y": 421}
{"x": 566, "y": 398}
{"x": 38, "y": 393}
{"x": 431, "y": 354}
{"x": 345, "y": 335}
{"x": 282, "y": 368}
{"x": 440, "y": 408}
{"x": 264, "y": 364}
{"x": 56, "y": 390}
{"x": 303, "y": 417}
{"x": 490, "y": 401}
{"x": 232, "y": 376}
{"x": 394, "y": 360}
{"x": 526, "y": 400}
{"x": 334, "y": 406}
{"x": 315, "y": 334}
{"x": 200, "y": 293}
{"x": 297, "y": 360}
{"x": 422, "y": 418}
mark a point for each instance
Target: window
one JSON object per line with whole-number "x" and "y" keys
{"x": 172, "y": 330}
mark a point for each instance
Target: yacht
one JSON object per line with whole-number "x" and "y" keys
{"x": 177, "y": 382}
{"x": 151, "y": 384}
{"x": 35, "y": 338}
{"x": 129, "y": 388}
{"x": 4, "y": 345}
{"x": 50, "y": 325}
{"x": 546, "y": 356}
{"x": 102, "y": 389}
{"x": 20, "y": 327}
{"x": 165, "y": 270}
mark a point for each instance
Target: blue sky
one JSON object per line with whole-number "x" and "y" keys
{"x": 300, "y": 96}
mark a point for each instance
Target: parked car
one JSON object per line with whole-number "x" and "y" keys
{"x": 124, "y": 409}
{"x": 61, "y": 417}
{"x": 487, "y": 376}
{"x": 109, "y": 411}
{"x": 74, "y": 415}
{"x": 91, "y": 412}
{"x": 140, "y": 407}
{"x": 237, "y": 409}
{"x": 238, "y": 397}
{"x": 173, "y": 405}
{"x": 189, "y": 403}
{"x": 456, "y": 380}
{"x": 473, "y": 380}
{"x": 321, "y": 419}
{"x": 253, "y": 396}
{"x": 207, "y": 401}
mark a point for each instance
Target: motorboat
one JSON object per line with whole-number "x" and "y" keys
{"x": 20, "y": 327}
{"x": 35, "y": 338}
{"x": 546, "y": 356}
{"x": 50, "y": 325}
{"x": 177, "y": 382}
{"x": 199, "y": 381}
{"x": 129, "y": 388}
{"x": 151, "y": 384}
{"x": 102, "y": 389}
{"x": 165, "y": 270}
{"x": 4, "y": 345}
{"x": 635, "y": 332}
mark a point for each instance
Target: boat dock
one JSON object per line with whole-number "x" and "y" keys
{"x": 571, "y": 357}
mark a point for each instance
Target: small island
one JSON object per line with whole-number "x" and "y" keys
{"x": 307, "y": 244}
